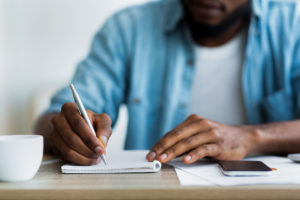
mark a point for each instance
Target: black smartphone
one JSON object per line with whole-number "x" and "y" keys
{"x": 244, "y": 168}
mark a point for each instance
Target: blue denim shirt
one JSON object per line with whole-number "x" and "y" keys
{"x": 144, "y": 57}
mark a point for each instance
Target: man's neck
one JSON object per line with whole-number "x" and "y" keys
{"x": 222, "y": 39}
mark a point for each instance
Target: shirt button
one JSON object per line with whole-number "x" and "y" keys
{"x": 190, "y": 63}
{"x": 136, "y": 100}
{"x": 182, "y": 105}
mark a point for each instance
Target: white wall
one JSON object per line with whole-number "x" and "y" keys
{"x": 43, "y": 42}
{"x": 2, "y": 81}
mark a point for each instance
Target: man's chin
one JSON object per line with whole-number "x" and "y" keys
{"x": 211, "y": 27}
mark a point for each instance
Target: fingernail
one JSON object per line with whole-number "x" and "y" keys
{"x": 163, "y": 157}
{"x": 98, "y": 150}
{"x": 187, "y": 158}
{"x": 98, "y": 160}
{"x": 104, "y": 139}
{"x": 152, "y": 155}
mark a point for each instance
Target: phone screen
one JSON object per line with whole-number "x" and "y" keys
{"x": 244, "y": 168}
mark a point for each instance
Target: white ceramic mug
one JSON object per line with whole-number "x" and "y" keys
{"x": 20, "y": 156}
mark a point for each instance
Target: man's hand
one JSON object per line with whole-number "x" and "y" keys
{"x": 72, "y": 139}
{"x": 198, "y": 137}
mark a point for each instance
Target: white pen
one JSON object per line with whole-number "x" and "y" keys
{"x": 85, "y": 116}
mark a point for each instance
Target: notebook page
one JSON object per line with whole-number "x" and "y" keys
{"x": 120, "y": 162}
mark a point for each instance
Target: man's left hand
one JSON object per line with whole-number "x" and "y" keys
{"x": 198, "y": 137}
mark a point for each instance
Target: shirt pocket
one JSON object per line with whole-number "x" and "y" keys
{"x": 278, "y": 106}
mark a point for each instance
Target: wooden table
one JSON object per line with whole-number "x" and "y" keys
{"x": 49, "y": 183}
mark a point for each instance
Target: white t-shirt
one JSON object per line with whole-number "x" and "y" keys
{"x": 217, "y": 87}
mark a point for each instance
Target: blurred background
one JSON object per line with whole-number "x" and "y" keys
{"x": 41, "y": 43}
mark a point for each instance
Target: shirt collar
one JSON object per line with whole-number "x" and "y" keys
{"x": 173, "y": 14}
{"x": 258, "y": 6}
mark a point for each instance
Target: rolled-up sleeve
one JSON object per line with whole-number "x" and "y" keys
{"x": 100, "y": 78}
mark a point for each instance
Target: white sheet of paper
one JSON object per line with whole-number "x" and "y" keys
{"x": 190, "y": 179}
{"x": 287, "y": 172}
{"x": 118, "y": 162}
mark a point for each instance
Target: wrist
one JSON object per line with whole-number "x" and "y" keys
{"x": 255, "y": 138}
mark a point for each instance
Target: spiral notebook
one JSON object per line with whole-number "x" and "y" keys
{"x": 118, "y": 162}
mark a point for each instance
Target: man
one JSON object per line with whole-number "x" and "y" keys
{"x": 234, "y": 63}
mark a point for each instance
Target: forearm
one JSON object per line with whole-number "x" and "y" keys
{"x": 43, "y": 127}
{"x": 277, "y": 138}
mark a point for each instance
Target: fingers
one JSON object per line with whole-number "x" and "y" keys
{"x": 187, "y": 144}
{"x": 71, "y": 139}
{"x": 79, "y": 125}
{"x": 69, "y": 154}
{"x": 102, "y": 124}
{"x": 153, "y": 154}
{"x": 193, "y": 125}
{"x": 211, "y": 150}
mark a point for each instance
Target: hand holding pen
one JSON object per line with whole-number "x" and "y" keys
{"x": 74, "y": 140}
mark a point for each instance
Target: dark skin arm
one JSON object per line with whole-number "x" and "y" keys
{"x": 198, "y": 137}
{"x": 67, "y": 135}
